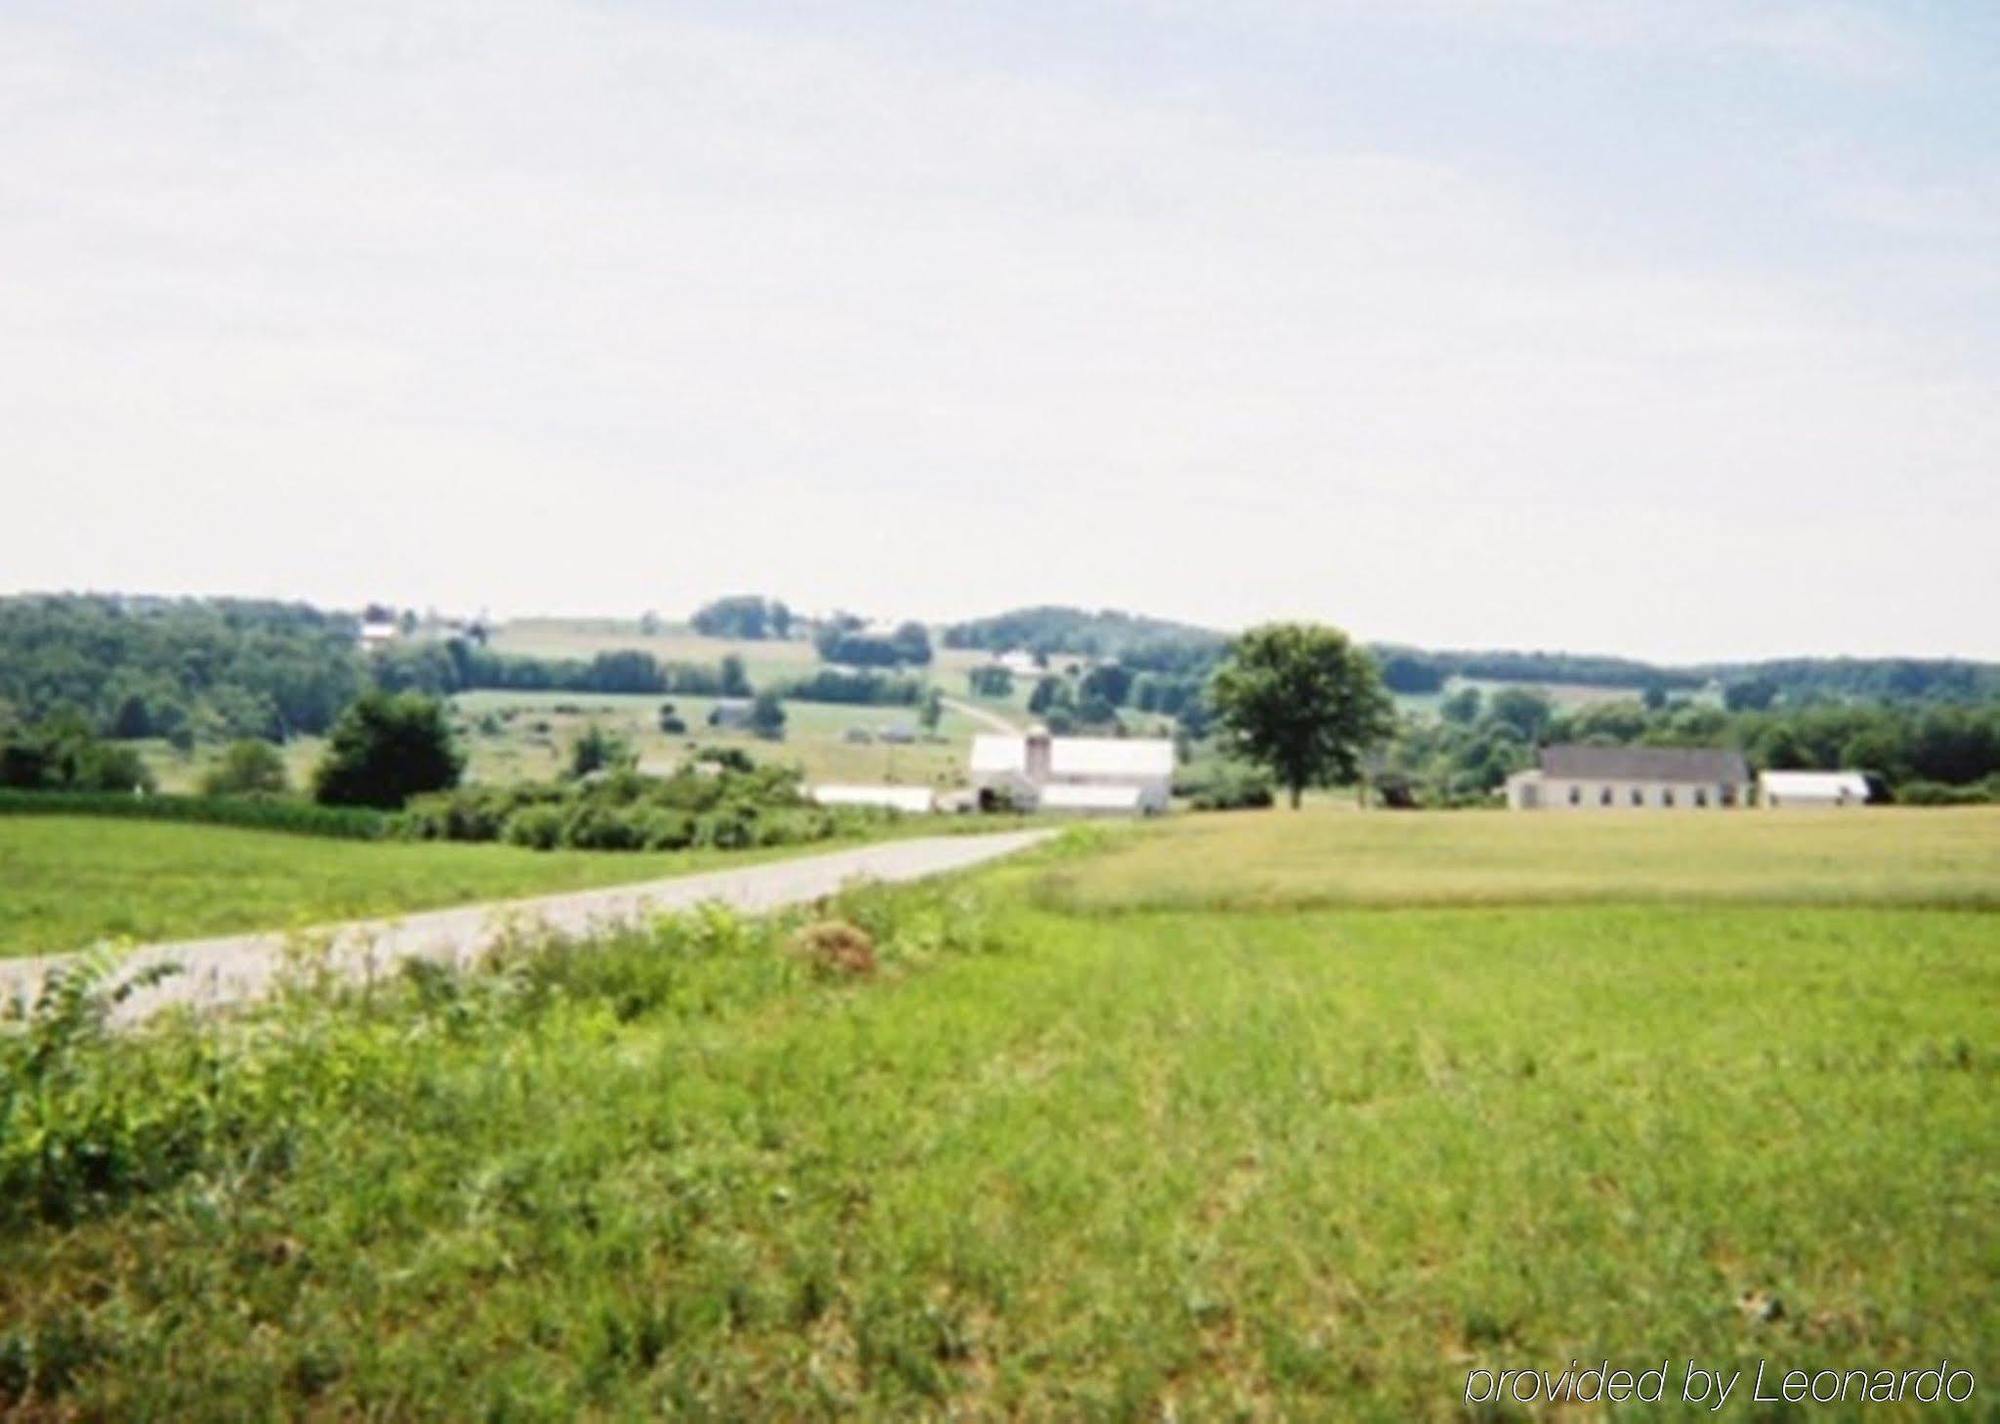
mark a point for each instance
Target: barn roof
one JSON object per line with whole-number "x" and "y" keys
{"x": 1584, "y": 763}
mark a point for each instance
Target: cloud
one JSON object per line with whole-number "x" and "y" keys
{"x": 1845, "y": 40}
{"x": 538, "y": 304}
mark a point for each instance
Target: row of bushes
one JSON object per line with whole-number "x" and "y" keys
{"x": 719, "y": 807}
{"x": 855, "y": 687}
{"x": 1938, "y": 793}
{"x": 1224, "y": 788}
{"x": 262, "y": 813}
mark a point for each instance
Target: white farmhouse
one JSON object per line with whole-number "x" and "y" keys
{"x": 1101, "y": 776}
{"x": 1580, "y": 778}
{"x": 1811, "y": 788}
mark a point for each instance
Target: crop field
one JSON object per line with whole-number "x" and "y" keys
{"x": 1159, "y": 1122}
{"x": 66, "y": 882}
{"x": 530, "y": 733}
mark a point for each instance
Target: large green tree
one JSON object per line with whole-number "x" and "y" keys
{"x": 1302, "y": 700}
{"x": 386, "y": 748}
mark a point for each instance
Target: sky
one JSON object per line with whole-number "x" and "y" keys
{"x": 1668, "y": 328}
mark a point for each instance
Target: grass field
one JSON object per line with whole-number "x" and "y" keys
{"x": 66, "y": 882}
{"x": 533, "y": 742}
{"x": 1334, "y": 856}
{"x": 1106, "y": 1138}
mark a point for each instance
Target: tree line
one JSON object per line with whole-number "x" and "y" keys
{"x": 184, "y": 669}
{"x": 1916, "y": 752}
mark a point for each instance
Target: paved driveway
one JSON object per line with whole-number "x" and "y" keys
{"x": 239, "y": 967}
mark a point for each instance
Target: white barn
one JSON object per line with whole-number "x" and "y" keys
{"x": 1102, "y": 776}
{"x": 1776, "y": 789}
{"x": 1583, "y": 778}
{"x": 912, "y": 800}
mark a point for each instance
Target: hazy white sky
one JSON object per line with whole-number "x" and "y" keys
{"x": 1663, "y": 327}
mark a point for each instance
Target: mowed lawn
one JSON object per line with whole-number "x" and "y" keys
{"x": 1098, "y": 1144}
{"x": 68, "y": 881}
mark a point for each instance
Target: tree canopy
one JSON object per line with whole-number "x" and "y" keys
{"x": 386, "y": 748}
{"x": 1302, "y": 700}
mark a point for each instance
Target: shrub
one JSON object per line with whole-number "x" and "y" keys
{"x": 1936, "y": 793}
{"x": 662, "y": 829}
{"x": 385, "y": 749}
{"x": 63, "y": 754}
{"x": 598, "y": 750}
{"x": 247, "y": 768}
{"x": 536, "y": 827}
{"x": 594, "y": 826}
{"x": 1225, "y": 788}
{"x": 81, "y": 1124}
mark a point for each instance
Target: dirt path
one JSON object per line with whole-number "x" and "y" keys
{"x": 989, "y": 719}
{"x": 234, "y": 968}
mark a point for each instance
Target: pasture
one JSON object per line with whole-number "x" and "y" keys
{"x": 527, "y": 735}
{"x": 1161, "y": 1122}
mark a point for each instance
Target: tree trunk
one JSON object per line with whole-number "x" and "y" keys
{"x": 1298, "y": 790}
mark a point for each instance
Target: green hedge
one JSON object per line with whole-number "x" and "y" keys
{"x": 721, "y": 808}
{"x": 255, "y": 812}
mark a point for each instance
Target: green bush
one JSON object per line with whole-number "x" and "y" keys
{"x": 248, "y": 768}
{"x": 536, "y": 827}
{"x": 64, "y": 754}
{"x": 83, "y": 1125}
{"x": 1937, "y": 793}
{"x": 1225, "y": 788}
{"x": 385, "y": 749}
{"x": 721, "y": 806}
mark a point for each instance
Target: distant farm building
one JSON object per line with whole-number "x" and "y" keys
{"x": 1580, "y": 778}
{"x": 1103, "y": 776}
{"x": 914, "y": 800}
{"x": 1812, "y": 788}
{"x": 379, "y": 635}
{"x": 730, "y": 716}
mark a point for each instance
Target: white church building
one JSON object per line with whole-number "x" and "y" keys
{"x": 1101, "y": 776}
{"x": 1585, "y": 778}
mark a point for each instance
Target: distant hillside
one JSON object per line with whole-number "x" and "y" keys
{"x": 1154, "y": 644}
{"x": 139, "y": 666}
{"x": 1159, "y": 644}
